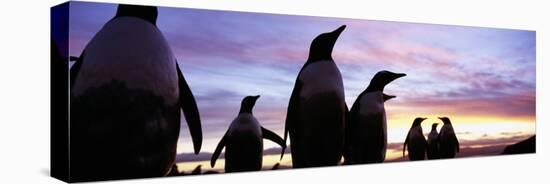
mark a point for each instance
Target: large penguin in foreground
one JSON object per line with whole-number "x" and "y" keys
{"x": 126, "y": 94}
{"x": 243, "y": 141}
{"x": 317, "y": 109}
{"x": 415, "y": 143}
{"x": 366, "y": 132}
{"x": 433, "y": 143}
{"x": 448, "y": 143}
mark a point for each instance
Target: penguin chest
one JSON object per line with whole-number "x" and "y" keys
{"x": 372, "y": 116}
{"x": 432, "y": 137}
{"x": 416, "y": 138}
{"x": 124, "y": 102}
{"x": 132, "y": 52}
{"x": 447, "y": 136}
{"x": 417, "y": 144}
{"x": 372, "y": 104}
{"x": 244, "y": 143}
{"x": 319, "y": 78}
{"x": 321, "y": 111}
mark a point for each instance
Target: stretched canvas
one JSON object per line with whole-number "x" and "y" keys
{"x": 144, "y": 91}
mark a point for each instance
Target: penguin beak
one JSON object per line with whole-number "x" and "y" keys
{"x": 399, "y": 75}
{"x": 255, "y": 98}
{"x": 388, "y": 97}
{"x": 334, "y": 35}
{"x": 338, "y": 31}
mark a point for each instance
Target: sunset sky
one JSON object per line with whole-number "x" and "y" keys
{"x": 483, "y": 79}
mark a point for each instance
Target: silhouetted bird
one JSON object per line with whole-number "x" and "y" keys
{"x": 417, "y": 144}
{"x": 174, "y": 171}
{"x": 433, "y": 143}
{"x": 448, "y": 142}
{"x": 243, "y": 140}
{"x": 276, "y": 166}
{"x": 526, "y": 146}
{"x": 317, "y": 108}
{"x": 127, "y": 93}
{"x": 197, "y": 170}
{"x": 366, "y": 131}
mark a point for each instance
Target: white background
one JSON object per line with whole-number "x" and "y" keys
{"x": 25, "y": 96}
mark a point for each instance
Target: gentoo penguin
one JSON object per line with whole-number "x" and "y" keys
{"x": 126, "y": 94}
{"x": 243, "y": 141}
{"x": 316, "y": 111}
{"x": 433, "y": 143}
{"x": 526, "y": 146}
{"x": 448, "y": 143}
{"x": 366, "y": 132}
{"x": 417, "y": 144}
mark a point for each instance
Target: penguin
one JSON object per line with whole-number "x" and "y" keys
{"x": 197, "y": 170}
{"x": 317, "y": 109}
{"x": 433, "y": 143}
{"x": 417, "y": 144}
{"x": 448, "y": 143}
{"x": 276, "y": 166}
{"x": 366, "y": 130}
{"x": 127, "y": 94}
{"x": 243, "y": 141}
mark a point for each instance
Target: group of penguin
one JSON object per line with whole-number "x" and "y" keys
{"x": 126, "y": 92}
{"x": 439, "y": 145}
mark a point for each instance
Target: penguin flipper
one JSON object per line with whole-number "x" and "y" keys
{"x": 405, "y": 143}
{"x": 218, "y": 151}
{"x": 456, "y": 143}
{"x": 291, "y": 113}
{"x": 267, "y": 134}
{"x": 190, "y": 110}
{"x": 76, "y": 68}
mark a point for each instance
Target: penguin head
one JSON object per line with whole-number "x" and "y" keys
{"x": 321, "y": 47}
{"x": 387, "y": 97}
{"x": 147, "y": 13}
{"x": 381, "y": 79}
{"x": 248, "y": 103}
{"x": 417, "y": 121}
{"x": 445, "y": 120}
{"x": 434, "y": 126}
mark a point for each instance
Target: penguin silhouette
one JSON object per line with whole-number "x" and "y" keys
{"x": 366, "y": 131}
{"x": 317, "y": 109}
{"x": 433, "y": 143}
{"x": 448, "y": 142}
{"x": 417, "y": 144}
{"x": 127, "y": 93}
{"x": 243, "y": 141}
